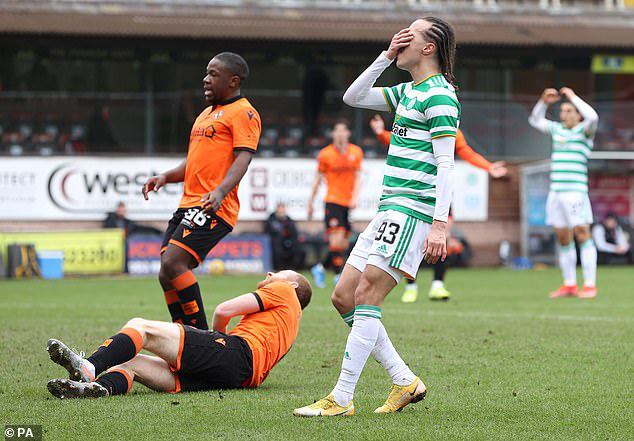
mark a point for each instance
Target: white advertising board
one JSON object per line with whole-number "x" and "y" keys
{"x": 85, "y": 188}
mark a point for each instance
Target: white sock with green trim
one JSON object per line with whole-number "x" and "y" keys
{"x": 361, "y": 341}
{"x": 568, "y": 263}
{"x": 348, "y": 318}
{"x": 588, "y": 253}
{"x": 385, "y": 353}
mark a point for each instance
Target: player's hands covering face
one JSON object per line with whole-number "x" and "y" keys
{"x": 400, "y": 40}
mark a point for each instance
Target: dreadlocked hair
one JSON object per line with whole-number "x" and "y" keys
{"x": 442, "y": 35}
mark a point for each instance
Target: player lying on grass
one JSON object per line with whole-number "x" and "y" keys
{"x": 191, "y": 359}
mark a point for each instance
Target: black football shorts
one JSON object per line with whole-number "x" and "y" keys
{"x": 194, "y": 232}
{"x": 336, "y": 218}
{"x": 211, "y": 360}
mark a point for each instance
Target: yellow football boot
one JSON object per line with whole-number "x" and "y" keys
{"x": 401, "y": 396}
{"x": 410, "y": 294}
{"x": 325, "y": 407}
{"x": 439, "y": 293}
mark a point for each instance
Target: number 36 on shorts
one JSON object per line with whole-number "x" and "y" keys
{"x": 194, "y": 217}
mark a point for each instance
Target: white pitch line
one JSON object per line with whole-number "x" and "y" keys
{"x": 586, "y": 318}
{"x": 391, "y": 311}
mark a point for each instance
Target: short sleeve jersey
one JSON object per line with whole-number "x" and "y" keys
{"x": 270, "y": 333}
{"x": 217, "y": 133}
{"x": 340, "y": 171}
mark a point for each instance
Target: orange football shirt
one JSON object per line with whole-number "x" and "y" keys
{"x": 339, "y": 170}
{"x": 463, "y": 150}
{"x": 270, "y": 333}
{"x": 217, "y": 133}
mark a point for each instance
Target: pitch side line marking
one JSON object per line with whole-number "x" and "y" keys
{"x": 393, "y": 311}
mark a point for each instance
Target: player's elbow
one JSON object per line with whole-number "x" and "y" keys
{"x": 532, "y": 121}
{"x": 445, "y": 162}
{"x": 222, "y": 311}
{"x": 350, "y": 98}
{"x": 593, "y": 118}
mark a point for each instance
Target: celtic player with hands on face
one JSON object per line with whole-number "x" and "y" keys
{"x": 411, "y": 221}
{"x": 496, "y": 169}
{"x": 568, "y": 208}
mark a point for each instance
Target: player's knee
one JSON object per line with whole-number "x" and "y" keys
{"x": 334, "y": 298}
{"x": 341, "y": 301}
{"x": 137, "y": 323}
{"x": 171, "y": 267}
{"x": 128, "y": 367}
{"x": 164, "y": 278}
{"x": 564, "y": 237}
{"x": 582, "y": 234}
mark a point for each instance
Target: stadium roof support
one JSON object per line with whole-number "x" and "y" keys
{"x": 544, "y": 22}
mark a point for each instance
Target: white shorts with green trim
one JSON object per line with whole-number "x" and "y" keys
{"x": 392, "y": 241}
{"x": 568, "y": 209}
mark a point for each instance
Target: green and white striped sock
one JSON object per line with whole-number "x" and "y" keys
{"x": 348, "y": 318}
{"x": 367, "y": 311}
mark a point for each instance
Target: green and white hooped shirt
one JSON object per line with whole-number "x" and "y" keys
{"x": 423, "y": 111}
{"x": 569, "y": 158}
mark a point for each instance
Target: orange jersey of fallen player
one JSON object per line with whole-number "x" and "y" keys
{"x": 217, "y": 133}
{"x": 463, "y": 150}
{"x": 340, "y": 171}
{"x": 270, "y": 333}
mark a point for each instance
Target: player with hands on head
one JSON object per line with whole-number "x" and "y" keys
{"x": 568, "y": 208}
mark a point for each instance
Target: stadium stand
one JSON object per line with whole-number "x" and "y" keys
{"x": 122, "y": 77}
{"x": 120, "y": 94}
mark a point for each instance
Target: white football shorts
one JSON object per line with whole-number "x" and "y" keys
{"x": 392, "y": 241}
{"x": 568, "y": 209}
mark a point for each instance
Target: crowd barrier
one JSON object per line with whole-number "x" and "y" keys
{"x": 110, "y": 252}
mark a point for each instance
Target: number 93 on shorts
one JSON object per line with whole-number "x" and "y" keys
{"x": 393, "y": 241}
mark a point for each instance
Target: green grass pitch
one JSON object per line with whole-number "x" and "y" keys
{"x": 501, "y": 361}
